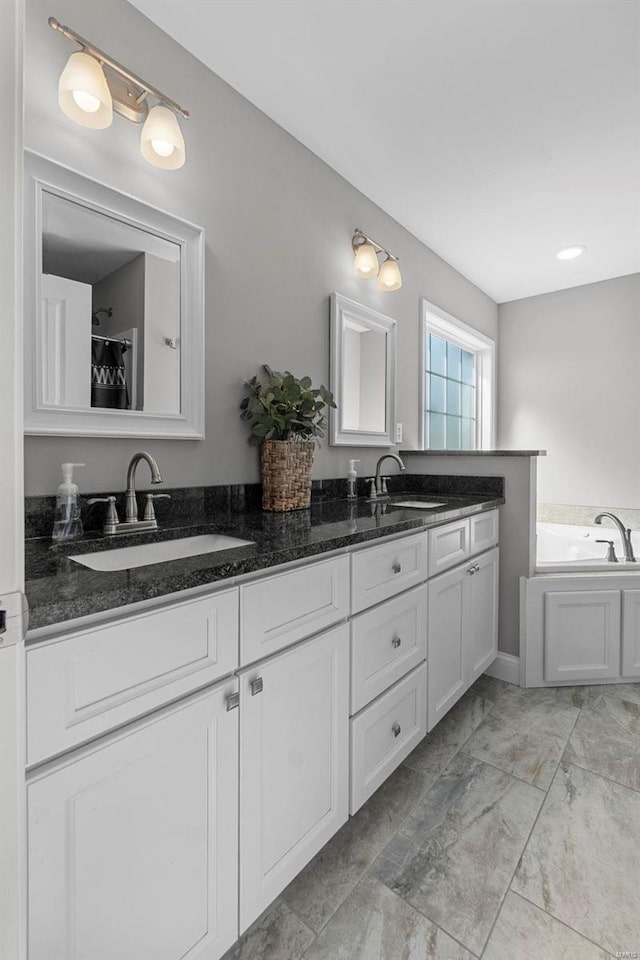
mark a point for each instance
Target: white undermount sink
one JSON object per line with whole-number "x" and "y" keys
{"x": 417, "y": 504}
{"x": 124, "y": 558}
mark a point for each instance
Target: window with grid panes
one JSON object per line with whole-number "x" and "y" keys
{"x": 457, "y": 383}
{"x": 450, "y": 393}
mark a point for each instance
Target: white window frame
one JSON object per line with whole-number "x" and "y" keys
{"x": 434, "y": 319}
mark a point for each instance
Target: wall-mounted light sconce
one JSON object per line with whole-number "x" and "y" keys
{"x": 93, "y": 85}
{"x": 367, "y": 265}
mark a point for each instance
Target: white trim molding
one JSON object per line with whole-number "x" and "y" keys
{"x": 505, "y": 667}
{"x": 347, "y": 313}
{"x": 436, "y": 320}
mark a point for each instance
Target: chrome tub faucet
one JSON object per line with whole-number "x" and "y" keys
{"x": 625, "y": 533}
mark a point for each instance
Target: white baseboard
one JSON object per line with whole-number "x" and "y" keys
{"x": 505, "y": 667}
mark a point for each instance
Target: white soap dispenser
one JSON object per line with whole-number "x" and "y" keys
{"x": 68, "y": 522}
{"x": 352, "y": 476}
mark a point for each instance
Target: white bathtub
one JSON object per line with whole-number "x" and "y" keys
{"x": 563, "y": 548}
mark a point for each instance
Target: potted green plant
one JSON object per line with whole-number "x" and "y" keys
{"x": 287, "y": 417}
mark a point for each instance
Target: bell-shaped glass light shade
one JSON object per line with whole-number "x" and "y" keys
{"x": 161, "y": 142}
{"x": 389, "y": 277}
{"x": 366, "y": 263}
{"x": 83, "y": 93}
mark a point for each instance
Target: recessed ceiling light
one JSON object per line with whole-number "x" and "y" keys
{"x": 570, "y": 253}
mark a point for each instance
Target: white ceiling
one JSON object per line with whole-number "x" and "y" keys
{"x": 496, "y": 131}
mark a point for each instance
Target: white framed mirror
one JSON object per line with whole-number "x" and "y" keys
{"x": 114, "y": 311}
{"x": 362, "y": 376}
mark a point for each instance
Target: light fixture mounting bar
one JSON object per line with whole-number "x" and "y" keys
{"x": 117, "y": 67}
{"x": 363, "y": 238}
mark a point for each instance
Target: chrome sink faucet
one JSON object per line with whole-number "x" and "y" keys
{"x": 131, "y": 522}
{"x": 131, "y": 505}
{"x": 378, "y": 483}
{"x": 625, "y": 533}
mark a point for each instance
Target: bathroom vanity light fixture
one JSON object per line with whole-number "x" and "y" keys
{"x": 570, "y": 253}
{"x": 93, "y": 85}
{"x": 366, "y": 264}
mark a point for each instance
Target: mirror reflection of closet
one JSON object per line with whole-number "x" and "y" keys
{"x": 120, "y": 287}
{"x": 114, "y": 308}
{"x": 362, "y": 374}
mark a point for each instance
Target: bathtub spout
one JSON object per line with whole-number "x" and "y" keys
{"x": 625, "y": 533}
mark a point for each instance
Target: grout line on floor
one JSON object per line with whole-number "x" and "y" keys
{"x": 602, "y": 776}
{"x": 514, "y": 871}
{"x": 507, "y": 773}
{"x": 562, "y": 922}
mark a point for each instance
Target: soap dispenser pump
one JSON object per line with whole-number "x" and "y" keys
{"x": 352, "y": 476}
{"x": 68, "y": 522}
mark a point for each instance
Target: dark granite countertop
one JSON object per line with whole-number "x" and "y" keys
{"x": 59, "y": 589}
{"x": 473, "y": 453}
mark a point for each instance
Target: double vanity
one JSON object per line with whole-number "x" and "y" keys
{"x": 198, "y": 728}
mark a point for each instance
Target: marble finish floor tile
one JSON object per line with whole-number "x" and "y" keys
{"x": 317, "y": 892}
{"x": 526, "y": 732}
{"x": 276, "y": 935}
{"x": 375, "y": 924}
{"x": 582, "y": 862}
{"x": 454, "y": 857}
{"x": 433, "y": 753}
{"x": 524, "y": 932}
{"x": 621, "y": 691}
{"x": 606, "y": 740}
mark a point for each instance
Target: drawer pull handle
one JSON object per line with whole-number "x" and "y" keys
{"x": 396, "y": 729}
{"x": 233, "y": 701}
{"x": 396, "y": 567}
{"x": 396, "y": 641}
{"x": 256, "y": 686}
{"x": 477, "y": 567}
{"x": 471, "y": 571}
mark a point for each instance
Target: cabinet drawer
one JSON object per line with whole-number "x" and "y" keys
{"x": 278, "y": 611}
{"x": 380, "y": 572}
{"x": 448, "y": 545}
{"x": 386, "y": 643}
{"x": 85, "y": 684}
{"x": 484, "y": 531}
{"x": 385, "y": 733}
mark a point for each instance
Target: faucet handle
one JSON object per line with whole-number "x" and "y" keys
{"x": 373, "y": 493}
{"x": 149, "y": 512}
{"x": 112, "y": 519}
{"x": 611, "y": 553}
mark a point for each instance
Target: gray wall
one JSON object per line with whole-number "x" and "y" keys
{"x": 278, "y": 224}
{"x": 568, "y": 367}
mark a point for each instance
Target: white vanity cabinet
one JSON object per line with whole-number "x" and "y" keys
{"x": 187, "y": 761}
{"x": 294, "y": 763}
{"x": 133, "y": 840}
{"x": 463, "y": 630}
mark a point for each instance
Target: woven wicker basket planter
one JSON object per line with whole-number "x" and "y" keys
{"x": 286, "y": 474}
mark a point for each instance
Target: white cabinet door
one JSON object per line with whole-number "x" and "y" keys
{"x": 482, "y": 643}
{"x": 446, "y": 642}
{"x": 133, "y": 843}
{"x": 483, "y": 532}
{"x": 448, "y": 545}
{"x": 631, "y": 633}
{"x": 294, "y": 763}
{"x": 280, "y": 610}
{"x": 581, "y": 635}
